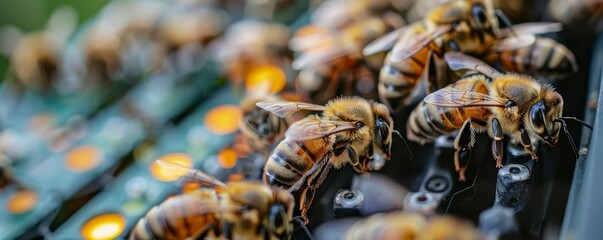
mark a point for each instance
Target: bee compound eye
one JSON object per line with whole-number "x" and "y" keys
{"x": 277, "y": 220}
{"x": 359, "y": 124}
{"x": 479, "y": 14}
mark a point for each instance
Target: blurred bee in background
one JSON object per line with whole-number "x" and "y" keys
{"x": 184, "y": 32}
{"x": 242, "y": 210}
{"x": 468, "y": 27}
{"x": 577, "y": 11}
{"x": 347, "y": 133}
{"x": 331, "y": 62}
{"x": 37, "y": 58}
{"x": 411, "y": 226}
{"x": 262, "y": 128}
{"x": 119, "y": 43}
{"x": 500, "y": 104}
{"x": 251, "y": 51}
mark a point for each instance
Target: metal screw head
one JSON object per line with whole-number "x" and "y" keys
{"x": 422, "y": 202}
{"x": 349, "y": 198}
{"x": 437, "y": 184}
{"x": 514, "y": 172}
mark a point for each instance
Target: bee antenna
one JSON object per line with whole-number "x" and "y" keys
{"x": 569, "y": 137}
{"x": 579, "y": 121}
{"x": 405, "y": 143}
{"x": 298, "y": 219}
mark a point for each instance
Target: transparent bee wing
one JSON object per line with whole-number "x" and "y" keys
{"x": 459, "y": 61}
{"x": 310, "y": 129}
{"x": 283, "y": 109}
{"x": 514, "y": 42}
{"x": 384, "y": 43}
{"x": 454, "y": 98}
{"x": 194, "y": 174}
{"x": 412, "y": 46}
{"x": 535, "y": 28}
{"x": 321, "y": 56}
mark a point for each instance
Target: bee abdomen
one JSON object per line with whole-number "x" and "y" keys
{"x": 427, "y": 122}
{"x": 179, "y": 217}
{"x": 288, "y": 163}
{"x": 545, "y": 57}
{"x": 398, "y": 81}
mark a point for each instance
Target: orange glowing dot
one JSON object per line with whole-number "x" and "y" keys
{"x": 189, "y": 187}
{"x": 83, "y": 158}
{"x": 106, "y": 226}
{"x": 235, "y": 177}
{"x": 223, "y": 119}
{"x": 22, "y": 201}
{"x": 168, "y": 174}
{"x": 265, "y": 79}
{"x": 227, "y": 158}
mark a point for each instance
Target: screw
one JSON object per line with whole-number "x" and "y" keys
{"x": 349, "y": 198}
{"x": 436, "y": 184}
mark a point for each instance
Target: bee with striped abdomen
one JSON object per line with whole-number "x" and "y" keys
{"x": 36, "y": 59}
{"x": 242, "y": 210}
{"x": 342, "y": 135}
{"x": 461, "y": 25}
{"x": 471, "y": 27}
{"x": 500, "y": 104}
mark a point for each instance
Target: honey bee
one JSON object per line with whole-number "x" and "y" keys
{"x": 331, "y": 63}
{"x": 36, "y": 58}
{"x": 467, "y": 26}
{"x": 500, "y": 104}
{"x": 471, "y": 27}
{"x": 249, "y": 45}
{"x": 346, "y": 133}
{"x": 402, "y": 225}
{"x": 241, "y": 210}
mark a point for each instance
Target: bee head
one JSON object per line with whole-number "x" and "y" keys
{"x": 543, "y": 114}
{"x": 354, "y": 110}
{"x": 478, "y": 14}
{"x": 383, "y": 129}
{"x": 280, "y": 215}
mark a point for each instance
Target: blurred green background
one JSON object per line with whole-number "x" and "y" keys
{"x": 31, "y": 15}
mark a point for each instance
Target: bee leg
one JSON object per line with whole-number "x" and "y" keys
{"x": 527, "y": 144}
{"x": 461, "y": 163}
{"x": 497, "y": 144}
{"x": 351, "y": 155}
{"x": 313, "y": 182}
{"x": 227, "y": 230}
{"x": 462, "y": 144}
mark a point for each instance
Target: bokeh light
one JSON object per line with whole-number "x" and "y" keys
{"x": 164, "y": 174}
{"x": 265, "y": 79}
{"x": 227, "y": 158}
{"x": 82, "y": 158}
{"x": 106, "y": 226}
{"x": 21, "y": 201}
{"x": 223, "y": 119}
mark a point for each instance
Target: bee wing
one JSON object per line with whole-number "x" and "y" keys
{"x": 194, "y": 174}
{"x": 454, "y": 98}
{"x": 383, "y": 43}
{"x": 514, "y": 42}
{"x": 408, "y": 48}
{"x": 305, "y": 129}
{"x": 283, "y": 109}
{"x": 532, "y": 28}
{"x": 318, "y": 57}
{"x": 460, "y": 61}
